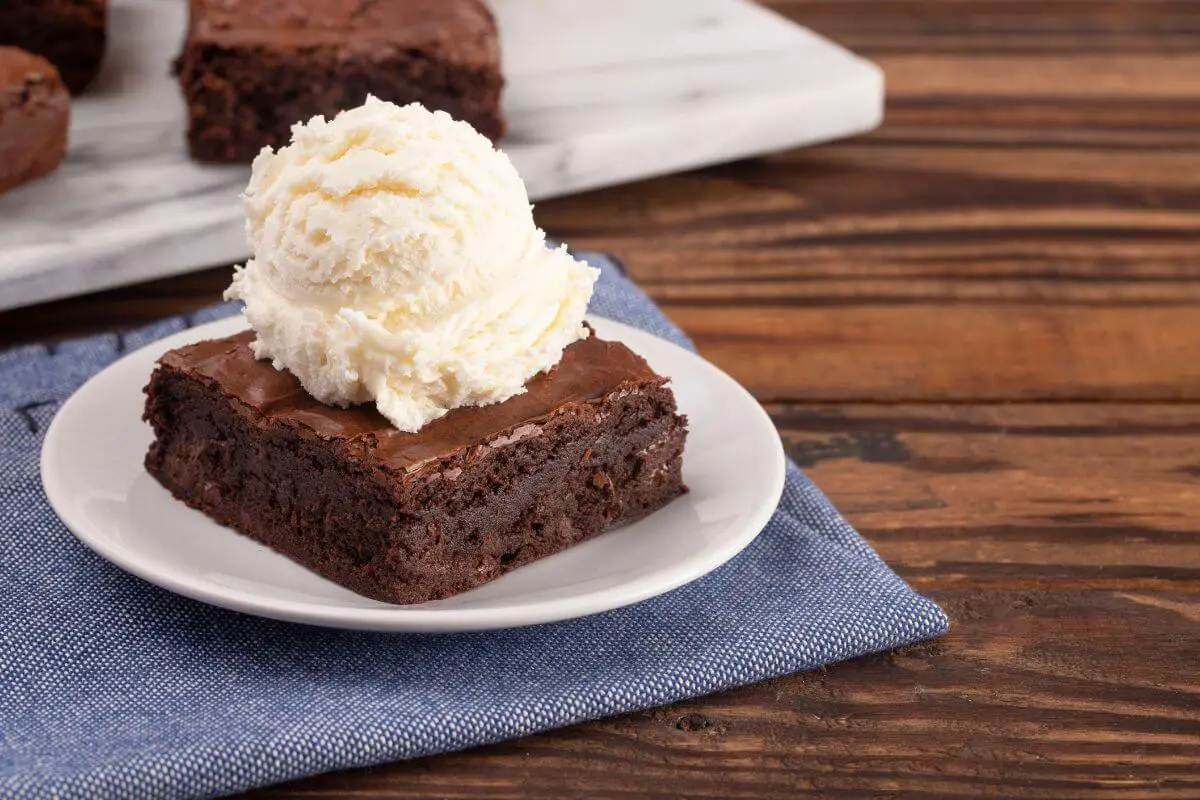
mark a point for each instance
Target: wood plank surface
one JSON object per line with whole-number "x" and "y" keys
{"x": 1061, "y": 540}
{"x": 979, "y": 330}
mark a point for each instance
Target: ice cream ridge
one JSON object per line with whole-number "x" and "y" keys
{"x": 396, "y": 261}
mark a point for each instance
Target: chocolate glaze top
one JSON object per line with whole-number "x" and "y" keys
{"x": 461, "y": 30}
{"x": 21, "y": 74}
{"x": 589, "y": 370}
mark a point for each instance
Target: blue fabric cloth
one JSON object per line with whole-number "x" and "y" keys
{"x": 113, "y": 688}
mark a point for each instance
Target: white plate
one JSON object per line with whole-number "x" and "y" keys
{"x": 92, "y": 471}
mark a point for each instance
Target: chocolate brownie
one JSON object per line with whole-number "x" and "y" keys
{"x": 250, "y": 71}
{"x": 34, "y": 114}
{"x": 410, "y": 517}
{"x": 69, "y": 33}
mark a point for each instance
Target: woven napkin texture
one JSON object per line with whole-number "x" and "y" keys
{"x": 113, "y": 688}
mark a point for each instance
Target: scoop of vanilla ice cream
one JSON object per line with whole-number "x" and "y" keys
{"x": 396, "y": 260}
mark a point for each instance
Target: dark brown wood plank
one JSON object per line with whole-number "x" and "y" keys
{"x": 1015, "y": 28}
{"x": 1005, "y": 706}
{"x": 116, "y": 309}
{"x": 929, "y": 722}
{"x": 1015, "y": 497}
{"x": 805, "y": 281}
{"x": 1038, "y": 210}
{"x": 1062, "y": 541}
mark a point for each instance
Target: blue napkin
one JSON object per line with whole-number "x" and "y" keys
{"x": 113, "y": 688}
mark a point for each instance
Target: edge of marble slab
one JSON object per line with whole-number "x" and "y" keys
{"x": 751, "y": 126}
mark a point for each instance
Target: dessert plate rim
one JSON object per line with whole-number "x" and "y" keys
{"x": 84, "y": 485}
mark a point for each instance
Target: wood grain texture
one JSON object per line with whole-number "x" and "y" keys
{"x": 979, "y": 330}
{"x": 1061, "y": 540}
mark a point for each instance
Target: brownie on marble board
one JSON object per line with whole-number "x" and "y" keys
{"x": 71, "y": 34}
{"x": 35, "y": 112}
{"x": 404, "y": 517}
{"x": 249, "y": 71}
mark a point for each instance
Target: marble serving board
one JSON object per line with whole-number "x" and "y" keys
{"x": 599, "y": 92}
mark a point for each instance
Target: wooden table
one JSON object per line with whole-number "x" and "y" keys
{"x": 979, "y": 329}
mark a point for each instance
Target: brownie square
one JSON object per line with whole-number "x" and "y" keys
{"x": 409, "y": 517}
{"x": 68, "y": 33}
{"x": 249, "y": 71}
{"x": 35, "y": 112}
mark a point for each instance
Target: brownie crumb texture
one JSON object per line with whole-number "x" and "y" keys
{"x": 34, "y": 116}
{"x": 434, "y": 529}
{"x": 71, "y": 34}
{"x": 249, "y": 73}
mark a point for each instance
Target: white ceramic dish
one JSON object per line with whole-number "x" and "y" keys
{"x": 93, "y": 475}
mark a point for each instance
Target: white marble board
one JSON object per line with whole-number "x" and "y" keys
{"x": 600, "y": 92}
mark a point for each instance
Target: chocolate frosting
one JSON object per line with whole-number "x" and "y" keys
{"x": 589, "y": 370}
{"x": 20, "y": 75}
{"x": 35, "y": 110}
{"x": 458, "y": 30}
{"x": 16, "y": 65}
